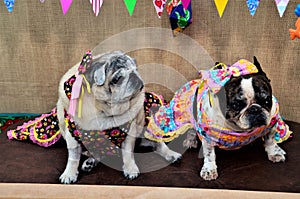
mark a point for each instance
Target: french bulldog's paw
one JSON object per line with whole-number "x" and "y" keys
{"x": 191, "y": 139}
{"x": 275, "y": 153}
{"x": 88, "y": 164}
{"x": 173, "y": 156}
{"x": 68, "y": 177}
{"x": 276, "y": 158}
{"x": 188, "y": 143}
{"x": 209, "y": 171}
{"x": 131, "y": 172}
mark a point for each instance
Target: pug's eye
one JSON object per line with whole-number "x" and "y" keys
{"x": 116, "y": 79}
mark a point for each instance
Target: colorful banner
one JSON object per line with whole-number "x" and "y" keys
{"x": 96, "y": 4}
{"x": 65, "y": 5}
{"x": 159, "y": 6}
{"x": 9, "y": 4}
{"x": 221, "y": 5}
{"x": 130, "y": 4}
{"x": 252, "y": 6}
{"x": 281, "y": 6}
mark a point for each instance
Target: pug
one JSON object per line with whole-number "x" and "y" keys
{"x": 110, "y": 95}
{"x": 228, "y": 107}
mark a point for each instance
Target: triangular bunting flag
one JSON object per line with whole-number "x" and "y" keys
{"x": 42, "y": 1}
{"x": 130, "y": 4}
{"x": 281, "y": 6}
{"x": 65, "y": 5}
{"x": 96, "y": 6}
{"x": 9, "y": 4}
{"x": 297, "y": 10}
{"x": 252, "y": 6}
{"x": 221, "y": 5}
{"x": 185, "y": 3}
{"x": 180, "y": 18}
{"x": 159, "y": 6}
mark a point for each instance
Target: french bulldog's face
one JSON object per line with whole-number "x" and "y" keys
{"x": 249, "y": 100}
{"x": 115, "y": 81}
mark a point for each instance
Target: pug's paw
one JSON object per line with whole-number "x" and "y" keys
{"x": 68, "y": 177}
{"x": 131, "y": 171}
{"x": 173, "y": 156}
{"x": 209, "y": 171}
{"x": 89, "y": 164}
{"x": 275, "y": 153}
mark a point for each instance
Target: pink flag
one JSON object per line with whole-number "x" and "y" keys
{"x": 65, "y": 5}
{"x": 185, "y": 3}
{"x": 96, "y": 6}
{"x": 159, "y": 6}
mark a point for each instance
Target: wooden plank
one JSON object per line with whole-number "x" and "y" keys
{"x": 20, "y": 190}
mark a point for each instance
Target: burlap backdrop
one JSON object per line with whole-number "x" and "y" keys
{"x": 38, "y": 44}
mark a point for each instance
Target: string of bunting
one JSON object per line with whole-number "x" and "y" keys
{"x": 179, "y": 11}
{"x": 252, "y": 6}
{"x": 160, "y": 5}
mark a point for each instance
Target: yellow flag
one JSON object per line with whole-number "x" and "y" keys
{"x": 221, "y": 5}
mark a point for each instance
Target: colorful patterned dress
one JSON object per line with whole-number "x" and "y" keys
{"x": 174, "y": 119}
{"x": 44, "y": 130}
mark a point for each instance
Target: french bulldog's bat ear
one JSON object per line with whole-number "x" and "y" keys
{"x": 219, "y": 66}
{"x": 259, "y": 68}
{"x": 99, "y": 74}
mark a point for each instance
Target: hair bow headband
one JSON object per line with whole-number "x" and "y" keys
{"x": 216, "y": 78}
{"x": 78, "y": 89}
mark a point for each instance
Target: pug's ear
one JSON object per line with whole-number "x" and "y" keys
{"x": 259, "y": 68}
{"x": 96, "y": 74}
{"x": 134, "y": 60}
{"x": 99, "y": 75}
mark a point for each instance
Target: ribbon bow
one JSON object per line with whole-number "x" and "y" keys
{"x": 78, "y": 89}
{"x": 216, "y": 78}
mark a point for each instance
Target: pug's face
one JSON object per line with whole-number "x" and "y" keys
{"x": 115, "y": 82}
{"x": 249, "y": 100}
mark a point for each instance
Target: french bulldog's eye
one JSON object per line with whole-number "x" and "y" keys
{"x": 238, "y": 105}
{"x": 235, "y": 106}
{"x": 268, "y": 101}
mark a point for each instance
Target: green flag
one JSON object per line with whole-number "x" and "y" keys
{"x": 130, "y": 4}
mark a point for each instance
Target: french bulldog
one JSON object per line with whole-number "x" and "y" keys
{"x": 112, "y": 95}
{"x": 228, "y": 107}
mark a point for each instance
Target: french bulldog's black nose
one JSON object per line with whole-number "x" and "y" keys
{"x": 254, "y": 109}
{"x": 256, "y": 116}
